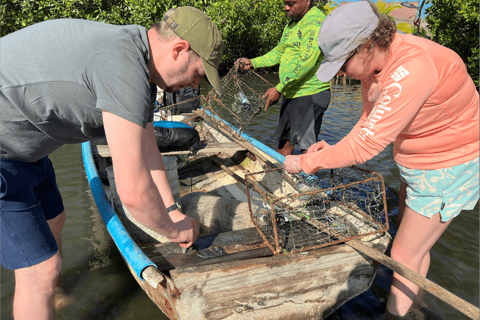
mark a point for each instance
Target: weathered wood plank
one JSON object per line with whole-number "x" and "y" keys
{"x": 296, "y": 286}
{"x": 104, "y": 150}
{"x": 458, "y": 303}
{"x": 240, "y": 244}
{"x": 164, "y": 295}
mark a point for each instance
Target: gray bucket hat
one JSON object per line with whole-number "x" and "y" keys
{"x": 344, "y": 29}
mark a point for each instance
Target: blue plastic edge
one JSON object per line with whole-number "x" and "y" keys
{"x": 170, "y": 124}
{"x": 134, "y": 256}
{"x": 259, "y": 145}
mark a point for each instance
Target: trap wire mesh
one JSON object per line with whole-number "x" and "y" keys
{"x": 304, "y": 212}
{"x": 241, "y": 98}
{"x": 186, "y": 106}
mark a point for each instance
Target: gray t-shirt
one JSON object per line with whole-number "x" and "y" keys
{"x": 57, "y": 76}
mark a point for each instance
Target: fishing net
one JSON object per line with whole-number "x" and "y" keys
{"x": 241, "y": 98}
{"x": 304, "y": 212}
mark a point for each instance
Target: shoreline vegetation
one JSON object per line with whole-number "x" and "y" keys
{"x": 336, "y": 80}
{"x": 249, "y": 28}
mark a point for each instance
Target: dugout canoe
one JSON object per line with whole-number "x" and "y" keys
{"x": 249, "y": 282}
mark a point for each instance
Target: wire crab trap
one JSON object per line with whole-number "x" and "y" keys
{"x": 241, "y": 99}
{"x": 186, "y": 106}
{"x": 298, "y": 214}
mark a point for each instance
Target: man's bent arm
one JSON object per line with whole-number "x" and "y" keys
{"x": 138, "y": 191}
{"x": 157, "y": 167}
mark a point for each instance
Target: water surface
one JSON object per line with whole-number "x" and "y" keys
{"x": 100, "y": 286}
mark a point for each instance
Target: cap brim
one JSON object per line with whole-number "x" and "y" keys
{"x": 212, "y": 75}
{"x": 328, "y": 70}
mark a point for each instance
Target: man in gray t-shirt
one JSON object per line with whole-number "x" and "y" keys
{"x": 69, "y": 81}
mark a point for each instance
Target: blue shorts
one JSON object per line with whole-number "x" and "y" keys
{"x": 29, "y": 196}
{"x": 448, "y": 190}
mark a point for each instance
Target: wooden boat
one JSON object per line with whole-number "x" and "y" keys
{"x": 248, "y": 282}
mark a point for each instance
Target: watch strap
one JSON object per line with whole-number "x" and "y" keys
{"x": 173, "y": 207}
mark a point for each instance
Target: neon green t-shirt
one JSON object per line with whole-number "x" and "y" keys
{"x": 299, "y": 57}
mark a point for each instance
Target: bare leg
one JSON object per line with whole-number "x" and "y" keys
{"x": 286, "y": 149}
{"x": 61, "y": 299}
{"x": 34, "y": 290}
{"x": 56, "y": 226}
{"x": 415, "y": 237}
{"x": 35, "y": 285}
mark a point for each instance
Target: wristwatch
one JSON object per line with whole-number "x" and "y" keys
{"x": 173, "y": 207}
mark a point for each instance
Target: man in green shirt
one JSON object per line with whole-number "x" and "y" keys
{"x": 305, "y": 97}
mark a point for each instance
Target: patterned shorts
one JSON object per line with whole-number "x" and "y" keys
{"x": 448, "y": 190}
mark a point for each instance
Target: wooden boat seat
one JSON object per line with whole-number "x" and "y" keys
{"x": 239, "y": 245}
{"x": 104, "y": 151}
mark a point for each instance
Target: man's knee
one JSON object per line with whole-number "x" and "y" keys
{"x": 42, "y": 276}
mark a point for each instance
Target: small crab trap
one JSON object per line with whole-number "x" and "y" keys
{"x": 241, "y": 98}
{"x": 304, "y": 212}
{"x": 186, "y": 106}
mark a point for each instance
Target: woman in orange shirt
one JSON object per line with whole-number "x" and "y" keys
{"x": 417, "y": 95}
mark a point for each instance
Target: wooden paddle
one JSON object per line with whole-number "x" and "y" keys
{"x": 461, "y": 305}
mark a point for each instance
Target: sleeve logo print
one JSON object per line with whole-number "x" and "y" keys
{"x": 381, "y": 108}
{"x": 400, "y": 73}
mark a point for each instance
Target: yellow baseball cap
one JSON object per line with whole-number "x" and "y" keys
{"x": 200, "y": 31}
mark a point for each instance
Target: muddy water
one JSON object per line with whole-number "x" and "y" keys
{"x": 99, "y": 286}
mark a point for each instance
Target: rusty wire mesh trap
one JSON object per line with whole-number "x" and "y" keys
{"x": 186, "y": 106}
{"x": 241, "y": 98}
{"x": 300, "y": 213}
{"x": 240, "y": 101}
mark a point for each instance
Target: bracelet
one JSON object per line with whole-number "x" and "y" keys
{"x": 295, "y": 164}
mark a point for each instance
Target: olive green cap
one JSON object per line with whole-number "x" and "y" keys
{"x": 200, "y": 31}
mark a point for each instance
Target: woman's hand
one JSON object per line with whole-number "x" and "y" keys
{"x": 318, "y": 146}
{"x": 291, "y": 164}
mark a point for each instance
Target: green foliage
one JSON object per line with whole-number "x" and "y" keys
{"x": 17, "y": 14}
{"x": 329, "y": 7}
{"x": 249, "y": 28}
{"x": 383, "y": 8}
{"x": 454, "y": 24}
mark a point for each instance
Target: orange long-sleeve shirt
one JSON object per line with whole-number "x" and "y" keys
{"x": 423, "y": 101}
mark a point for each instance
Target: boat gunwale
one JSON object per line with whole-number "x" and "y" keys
{"x": 131, "y": 252}
{"x": 170, "y": 293}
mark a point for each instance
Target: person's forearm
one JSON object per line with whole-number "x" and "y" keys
{"x": 158, "y": 172}
{"x": 145, "y": 204}
{"x": 151, "y": 202}
{"x": 160, "y": 179}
